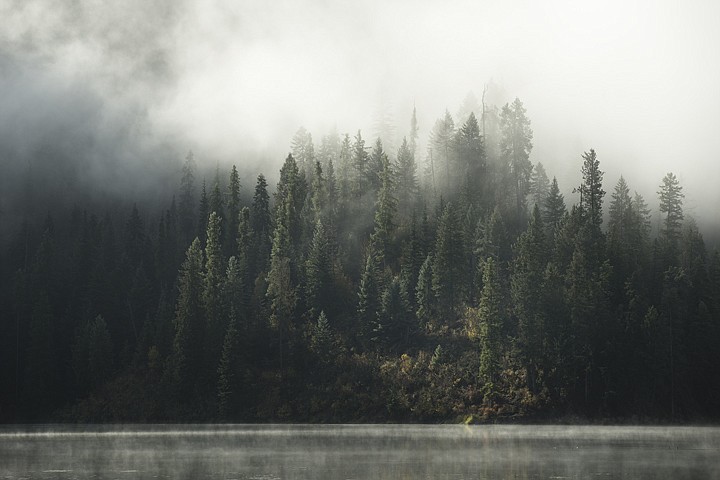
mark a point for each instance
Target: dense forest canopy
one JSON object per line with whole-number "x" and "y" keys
{"x": 372, "y": 283}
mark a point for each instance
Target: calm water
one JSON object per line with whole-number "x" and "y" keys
{"x": 359, "y": 452}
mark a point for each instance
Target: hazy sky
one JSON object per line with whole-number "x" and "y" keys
{"x": 233, "y": 80}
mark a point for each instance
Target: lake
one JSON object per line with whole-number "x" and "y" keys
{"x": 267, "y": 452}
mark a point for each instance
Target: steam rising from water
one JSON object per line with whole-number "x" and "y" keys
{"x": 368, "y": 451}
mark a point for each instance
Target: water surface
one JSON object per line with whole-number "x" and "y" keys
{"x": 359, "y": 452}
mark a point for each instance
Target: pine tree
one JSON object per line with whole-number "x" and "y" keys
{"x": 515, "y": 146}
{"x": 620, "y": 230}
{"x": 261, "y": 224}
{"x": 491, "y": 313}
{"x": 233, "y": 212}
{"x": 386, "y": 207}
{"x": 424, "y": 296}
{"x": 448, "y": 262}
{"x": 591, "y": 192}
{"x": 321, "y": 339}
{"x": 492, "y": 240}
{"x": 526, "y": 292}
{"x": 212, "y": 287}
{"x": 441, "y": 138}
{"x": 289, "y": 201}
{"x": 186, "y": 209}
{"x": 227, "y": 386}
{"x": 345, "y": 170}
{"x": 539, "y": 186}
{"x": 303, "y": 151}
{"x": 92, "y": 354}
{"x": 369, "y": 294}
{"x": 319, "y": 291}
{"x": 236, "y": 291}
{"x": 407, "y": 185}
{"x": 187, "y": 355}
{"x": 375, "y": 165}
{"x": 671, "y": 196}
{"x": 413, "y": 132}
{"x": 471, "y": 161}
{"x": 203, "y": 214}
{"x": 554, "y": 207}
{"x": 394, "y": 323}
{"x": 319, "y": 200}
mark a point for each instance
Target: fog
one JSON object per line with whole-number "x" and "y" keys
{"x": 127, "y": 88}
{"x": 361, "y": 451}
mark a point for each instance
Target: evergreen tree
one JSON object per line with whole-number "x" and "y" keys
{"x": 527, "y": 295}
{"x": 261, "y": 224}
{"x": 92, "y": 354}
{"x": 329, "y": 149}
{"x": 319, "y": 291}
{"x": 620, "y": 230}
{"x": 233, "y": 212}
{"x": 385, "y": 212}
{"x": 448, "y": 262}
{"x": 345, "y": 169}
{"x": 369, "y": 294}
{"x": 424, "y": 295}
{"x": 491, "y": 313}
{"x": 471, "y": 161}
{"x": 539, "y": 186}
{"x": 303, "y": 151}
{"x": 554, "y": 207}
{"x": 407, "y": 185}
{"x": 591, "y": 192}
{"x": 203, "y": 214}
{"x": 319, "y": 200}
{"x": 515, "y": 145}
{"x": 414, "y": 129}
{"x": 321, "y": 338}
{"x": 492, "y": 240}
{"x": 394, "y": 323}
{"x": 228, "y": 383}
{"x": 212, "y": 288}
{"x": 186, "y": 209}
{"x": 289, "y": 200}
{"x": 441, "y": 138}
{"x": 671, "y": 196}
{"x": 187, "y": 355}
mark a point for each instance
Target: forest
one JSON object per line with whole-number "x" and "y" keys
{"x": 371, "y": 284}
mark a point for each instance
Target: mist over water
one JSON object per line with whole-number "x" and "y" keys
{"x": 360, "y": 452}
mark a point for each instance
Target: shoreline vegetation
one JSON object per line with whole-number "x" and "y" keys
{"x": 453, "y": 285}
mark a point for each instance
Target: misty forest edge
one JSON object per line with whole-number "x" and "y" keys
{"x": 369, "y": 289}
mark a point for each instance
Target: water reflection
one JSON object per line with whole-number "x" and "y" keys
{"x": 359, "y": 452}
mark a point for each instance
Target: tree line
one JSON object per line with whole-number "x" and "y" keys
{"x": 369, "y": 286}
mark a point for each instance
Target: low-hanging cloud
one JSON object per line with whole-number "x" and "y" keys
{"x": 131, "y": 83}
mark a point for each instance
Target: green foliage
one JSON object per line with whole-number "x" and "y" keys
{"x": 515, "y": 147}
{"x": 527, "y": 295}
{"x": 448, "y": 265}
{"x": 591, "y": 192}
{"x": 187, "y": 354}
{"x": 394, "y": 323}
{"x": 319, "y": 274}
{"x": 491, "y": 319}
{"x": 228, "y": 381}
{"x": 554, "y": 207}
{"x": 407, "y": 182}
{"x": 347, "y": 301}
{"x": 233, "y": 212}
{"x": 186, "y": 208}
{"x": 539, "y": 189}
{"x": 671, "y": 202}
